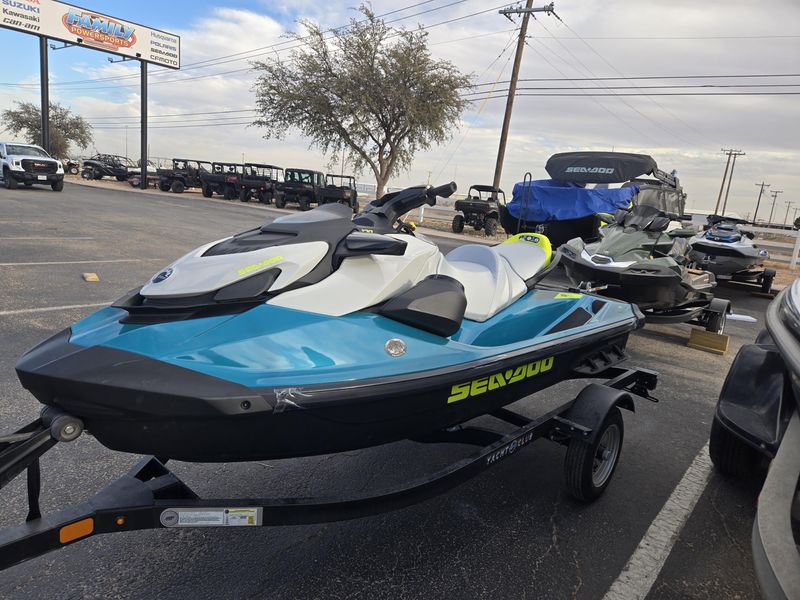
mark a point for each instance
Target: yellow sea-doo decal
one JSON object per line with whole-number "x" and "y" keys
{"x": 476, "y": 387}
{"x": 259, "y": 265}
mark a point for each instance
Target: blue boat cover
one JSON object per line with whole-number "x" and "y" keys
{"x": 545, "y": 200}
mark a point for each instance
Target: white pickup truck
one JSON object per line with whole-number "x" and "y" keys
{"x": 28, "y": 164}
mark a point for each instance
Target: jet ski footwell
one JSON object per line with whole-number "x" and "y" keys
{"x": 151, "y": 496}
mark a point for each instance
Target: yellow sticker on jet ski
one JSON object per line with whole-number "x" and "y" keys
{"x": 259, "y": 265}
{"x": 565, "y": 296}
{"x": 476, "y": 387}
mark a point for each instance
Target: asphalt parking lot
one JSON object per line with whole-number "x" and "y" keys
{"x": 512, "y": 532}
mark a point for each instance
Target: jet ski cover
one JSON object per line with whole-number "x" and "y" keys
{"x": 547, "y": 200}
{"x": 599, "y": 167}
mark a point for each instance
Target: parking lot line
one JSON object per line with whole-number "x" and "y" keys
{"x": 23, "y": 311}
{"x": 647, "y": 560}
{"x": 39, "y": 239}
{"x": 79, "y": 262}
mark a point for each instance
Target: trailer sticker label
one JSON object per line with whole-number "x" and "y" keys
{"x": 476, "y": 387}
{"x": 211, "y": 517}
{"x": 509, "y": 448}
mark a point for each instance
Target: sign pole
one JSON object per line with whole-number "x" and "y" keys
{"x": 143, "y": 96}
{"x": 44, "y": 84}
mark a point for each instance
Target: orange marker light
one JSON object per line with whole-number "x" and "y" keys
{"x": 75, "y": 531}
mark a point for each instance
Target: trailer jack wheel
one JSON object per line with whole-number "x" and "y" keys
{"x": 66, "y": 428}
{"x": 589, "y": 466}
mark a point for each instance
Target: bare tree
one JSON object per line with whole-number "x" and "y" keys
{"x": 65, "y": 127}
{"x": 369, "y": 90}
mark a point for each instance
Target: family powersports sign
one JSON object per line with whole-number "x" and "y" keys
{"x": 75, "y": 25}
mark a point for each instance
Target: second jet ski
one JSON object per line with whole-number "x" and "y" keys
{"x": 728, "y": 252}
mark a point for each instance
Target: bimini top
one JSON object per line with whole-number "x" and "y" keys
{"x": 599, "y": 167}
{"x": 553, "y": 200}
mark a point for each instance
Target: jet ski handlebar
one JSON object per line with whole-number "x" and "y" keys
{"x": 382, "y": 214}
{"x": 445, "y": 191}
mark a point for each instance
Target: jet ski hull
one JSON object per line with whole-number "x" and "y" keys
{"x": 135, "y": 403}
{"x": 649, "y": 286}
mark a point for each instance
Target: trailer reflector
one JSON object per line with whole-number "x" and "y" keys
{"x": 75, "y": 531}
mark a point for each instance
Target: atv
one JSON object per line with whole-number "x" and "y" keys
{"x": 479, "y": 208}
{"x": 302, "y": 186}
{"x": 107, "y": 165}
{"x": 185, "y": 173}
{"x": 260, "y": 182}
{"x": 223, "y": 179}
{"x": 341, "y": 189}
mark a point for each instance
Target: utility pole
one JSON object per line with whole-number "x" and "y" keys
{"x": 724, "y": 177}
{"x": 512, "y": 87}
{"x": 758, "y": 202}
{"x": 774, "y": 198}
{"x": 788, "y": 206}
{"x": 735, "y": 153}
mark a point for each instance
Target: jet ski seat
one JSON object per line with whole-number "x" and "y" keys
{"x": 493, "y": 276}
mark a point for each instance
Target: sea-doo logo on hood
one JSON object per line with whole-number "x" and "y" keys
{"x": 600, "y": 170}
{"x": 162, "y": 275}
{"x": 103, "y": 31}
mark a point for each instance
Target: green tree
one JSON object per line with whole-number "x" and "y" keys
{"x": 65, "y": 127}
{"x": 797, "y": 223}
{"x": 368, "y": 90}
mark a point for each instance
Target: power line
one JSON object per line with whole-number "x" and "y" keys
{"x": 692, "y": 37}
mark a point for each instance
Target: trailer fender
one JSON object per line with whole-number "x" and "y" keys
{"x": 586, "y": 414}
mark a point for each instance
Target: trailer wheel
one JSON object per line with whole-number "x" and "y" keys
{"x": 207, "y": 191}
{"x": 490, "y": 226}
{"x": 244, "y": 195}
{"x": 766, "y": 280}
{"x": 729, "y": 454}
{"x": 588, "y": 467}
{"x": 458, "y": 224}
{"x": 66, "y": 428}
{"x": 177, "y": 187}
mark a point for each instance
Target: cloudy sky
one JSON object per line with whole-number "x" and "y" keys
{"x": 669, "y": 116}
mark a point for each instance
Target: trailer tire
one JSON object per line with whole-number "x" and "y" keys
{"x": 458, "y": 224}
{"x": 490, "y": 226}
{"x": 206, "y": 190}
{"x": 766, "y": 280}
{"x": 177, "y": 187}
{"x": 729, "y": 454}
{"x": 589, "y": 466}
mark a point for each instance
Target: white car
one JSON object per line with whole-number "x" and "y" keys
{"x": 28, "y": 164}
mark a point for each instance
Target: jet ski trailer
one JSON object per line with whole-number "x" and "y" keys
{"x": 316, "y": 334}
{"x": 151, "y": 496}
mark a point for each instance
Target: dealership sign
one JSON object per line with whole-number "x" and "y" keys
{"x": 83, "y": 27}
